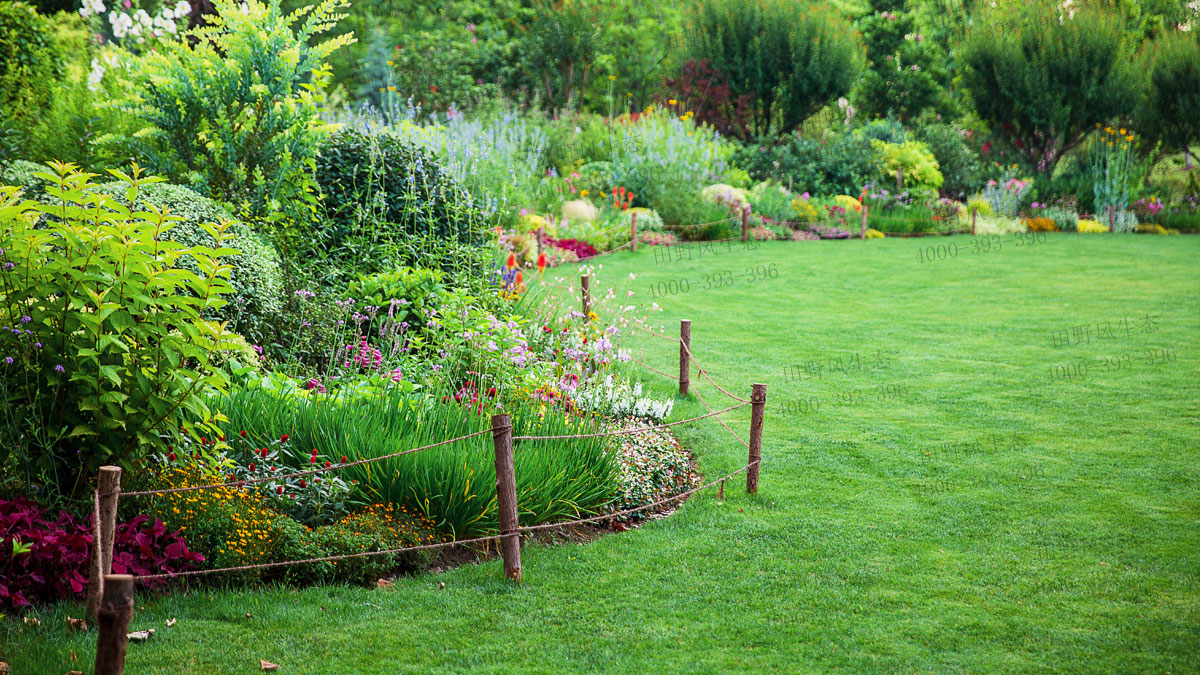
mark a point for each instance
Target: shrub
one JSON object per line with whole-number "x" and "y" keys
{"x": 381, "y": 192}
{"x": 111, "y": 356}
{"x": 1042, "y": 79}
{"x": 416, "y": 291}
{"x": 1168, "y": 113}
{"x": 791, "y": 58}
{"x": 905, "y": 74}
{"x": 652, "y": 466}
{"x": 257, "y": 280}
{"x": 1065, "y": 220}
{"x": 46, "y": 560}
{"x": 612, "y": 397}
{"x": 232, "y": 110}
{"x": 911, "y": 161}
{"x": 771, "y": 200}
{"x": 1000, "y": 225}
{"x": 835, "y": 164}
{"x": 960, "y": 167}
{"x": 29, "y": 66}
{"x": 1087, "y": 226}
{"x": 703, "y": 91}
{"x": 1041, "y": 224}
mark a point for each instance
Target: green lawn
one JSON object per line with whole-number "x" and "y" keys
{"x": 974, "y": 516}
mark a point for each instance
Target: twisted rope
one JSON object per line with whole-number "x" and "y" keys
{"x": 268, "y": 479}
{"x": 650, "y": 367}
{"x": 731, "y": 431}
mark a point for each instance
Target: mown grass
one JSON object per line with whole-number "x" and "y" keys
{"x": 988, "y": 520}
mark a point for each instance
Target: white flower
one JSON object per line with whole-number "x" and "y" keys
{"x": 184, "y": 8}
{"x": 97, "y": 74}
{"x": 91, "y": 7}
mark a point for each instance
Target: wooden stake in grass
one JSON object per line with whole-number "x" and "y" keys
{"x": 116, "y": 610}
{"x": 585, "y": 283}
{"x": 685, "y": 356}
{"x": 506, "y": 496}
{"x": 758, "y": 404}
{"x": 541, "y": 233}
{"x": 745, "y": 223}
{"x": 108, "y": 487}
{"x": 1112, "y": 215}
{"x": 864, "y": 223}
{"x": 633, "y": 232}
{"x": 974, "y": 212}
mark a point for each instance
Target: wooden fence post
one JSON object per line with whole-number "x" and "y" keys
{"x": 1111, "y": 217}
{"x": 540, "y": 243}
{"x": 745, "y": 223}
{"x": 633, "y": 231}
{"x": 864, "y": 223}
{"x": 974, "y": 212}
{"x": 506, "y": 496}
{"x": 116, "y": 610}
{"x": 109, "y": 485}
{"x": 685, "y": 356}
{"x": 585, "y": 293}
{"x": 758, "y": 403}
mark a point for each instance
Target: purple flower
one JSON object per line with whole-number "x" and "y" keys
{"x": 8, "y": 360}
{"x": 26, "y": 319}
{"x": 60, "y": 368}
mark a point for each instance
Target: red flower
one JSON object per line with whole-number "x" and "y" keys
{"x": 279, "y": 489}
{"x": 242, "y": 433}
{"x": 327, "y": 464}
{"x": 433, "y": 88}
{"x": 511, "y": 261}
{"x": 284, "y": 438}
{"x": 171, "y": 457}
{"x": 302, "y": 483}
{"x": 541, "y": 262}
{"x": 491, "y": 392}
{"x": 343, "y": 459}
{"x": 546, "y": 328}
{"x": 312, "y": 460}
{"x": 251, "y": 466}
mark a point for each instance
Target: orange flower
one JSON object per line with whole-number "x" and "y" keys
{"x": 541, "y": 262}
{"x": 512, "y": 261}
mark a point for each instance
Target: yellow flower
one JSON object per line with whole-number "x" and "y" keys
{"x": 1110, "y": 144}
{"x": 583, "y": 193}
{"x": 1097, "y": 125}
{"x": 391, "y": 63}
{"x": 391, "y": 89}
{"x": 611, "y": 78}
{"x": 381, "y": 89}
{"x": 672, "y": 102}
{"x": 1122, "y": 132}
{"x": 1129, "y": 137}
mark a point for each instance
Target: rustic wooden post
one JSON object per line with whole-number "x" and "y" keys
{"x": 633, "y": 231}
{"x": 685, "y": 356}
{"x": 585, "y": 283}
{"x": 758, "y": 403}
{"x": 506, "y": 496}
{"x": 721, "y": 491}
{"x": 108, "y": 487}
{"x": 540, "y": 236}
{"x": 1111, "y": 217}
{"x": 864, "y": 223}
{"x": 745, "y": 223}
{"x": 974, "y": 212}
{"x": 116, "y": 610}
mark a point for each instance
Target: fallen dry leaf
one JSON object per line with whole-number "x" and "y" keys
{"x": 248, "y": 615}
{"x": 267, "y": 665}
{"x": 383, "y": 583}
{"x": 441, "y": 585}
{"x": 619, "y": 526}
{"x": 73, "y": 657}
{"x": 171, "y": 622}
{"x": 3, "y": 668}
{"x": 140, "y": 635}
{"x": 76, "y": 624}
{"x": 32, "y": 621}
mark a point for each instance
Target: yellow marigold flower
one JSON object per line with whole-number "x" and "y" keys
{"x": 1129, "y": 137}
{"x": 672, "y": 102}
{"x": 1122, "y": 131}
{"x": 391, "y": 89}
{"x": 583, "y": 193}
{"x": 611, "y": 78}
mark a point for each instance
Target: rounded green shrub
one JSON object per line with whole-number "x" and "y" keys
{"x": 256, "y": 278}
{"x": 29, "y": 64}
{"x": 380, "y": 192}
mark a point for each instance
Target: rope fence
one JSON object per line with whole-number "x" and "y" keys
{"x": 110, "y": 596}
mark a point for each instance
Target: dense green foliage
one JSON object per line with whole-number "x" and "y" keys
{"x": 113, "y": 354}
{"x": 1044, "y": 83}
{"x": 256, "y": 301}
{"x": 379, "y": 190}
{"x": 1171, "y": 110}
{"x": 29, "y": 67}
{"x": 792, "y": 57}
{"x": 232, "y": 110}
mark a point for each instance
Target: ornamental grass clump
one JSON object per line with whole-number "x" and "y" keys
{"x": 106, "y": 354}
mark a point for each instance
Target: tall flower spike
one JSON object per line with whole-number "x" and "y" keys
{"x": 541, "y": 263}
{"x": 512, "y": 260}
